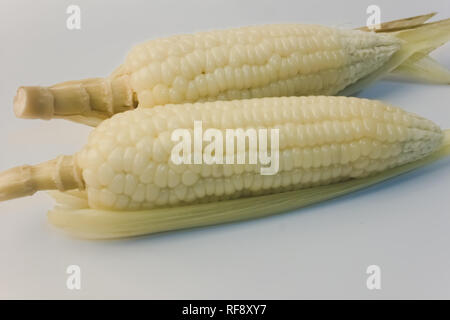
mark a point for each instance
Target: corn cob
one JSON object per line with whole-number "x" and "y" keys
{"x": 126, "y": 164}
{"x": 250, "y": 62}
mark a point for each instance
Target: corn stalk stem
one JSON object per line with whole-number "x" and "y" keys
{"x": 57, "y": 174}
{"x": 96, "y": 97}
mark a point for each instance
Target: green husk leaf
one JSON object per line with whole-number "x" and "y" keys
{"x": 425, "y": 70}
{"x": 418, "y": 42}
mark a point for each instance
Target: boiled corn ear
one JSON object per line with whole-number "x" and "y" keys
{"x": 249, "y": 62}
{"x": 73, "y": 215}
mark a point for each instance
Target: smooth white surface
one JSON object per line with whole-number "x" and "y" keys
{"x": 318, "y": 252}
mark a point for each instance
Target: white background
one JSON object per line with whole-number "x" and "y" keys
{"x": 318, "y": 252}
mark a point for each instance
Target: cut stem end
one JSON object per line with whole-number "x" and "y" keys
{"x": 34, "y": 103}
